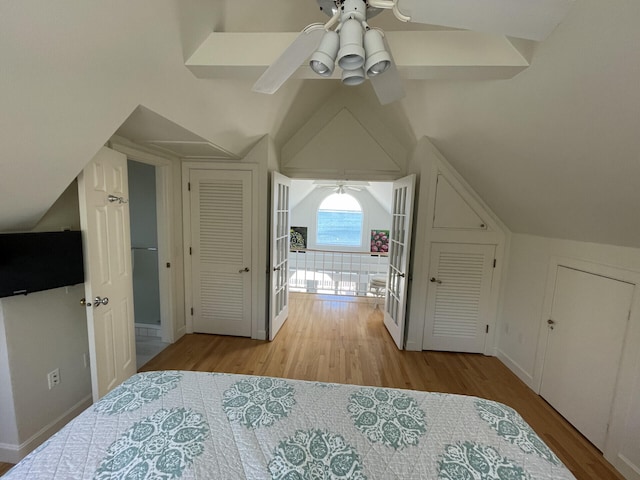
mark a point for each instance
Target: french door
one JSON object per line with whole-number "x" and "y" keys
{"x": 399, "y": 256}
{"x": 280, "y": 225}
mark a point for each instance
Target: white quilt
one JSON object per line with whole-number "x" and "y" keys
{"x": 190, "y": 425}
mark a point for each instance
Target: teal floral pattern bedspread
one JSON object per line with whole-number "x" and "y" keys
{"x": 201, "y": 426}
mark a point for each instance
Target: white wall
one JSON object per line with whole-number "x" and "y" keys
{"x": 524, "y": 306}
{"x": 375, "y": 216}
{"x": 8, "y": 427}
{"x": 46, "y": 330}
{"x": 38, "y": 333}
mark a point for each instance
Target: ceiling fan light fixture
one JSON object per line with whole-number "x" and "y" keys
{"x": 351, "y": 54}
{"x": 323, "y": 59}
{"x": 352, "y": 78}
{"x": 378, "y": 59}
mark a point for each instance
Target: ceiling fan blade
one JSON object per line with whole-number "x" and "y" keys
{"x": 290, "y": 60}
{"x": 529, "y": 19}
{"x": 388, "y": 85}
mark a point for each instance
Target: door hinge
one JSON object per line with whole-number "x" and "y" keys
{"x": 486, "y": 329}
{"x": 190, "y": 251}
{"x": 192, "y": 311}
{"x": 189, "y": 186}
{"x": 168, "y": 265}
{"x": 494, "y": 263}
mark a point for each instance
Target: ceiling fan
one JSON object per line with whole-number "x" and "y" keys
{"x": 341, "y": 186}
{"x": 362, "y": 52}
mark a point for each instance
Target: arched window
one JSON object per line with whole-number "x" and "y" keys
{"x": 339, "y": 221}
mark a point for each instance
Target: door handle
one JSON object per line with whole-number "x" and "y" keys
{"x": 101, "y": 301}
{"x": 551, "y": 322}
{"x": 113, "y": 199}
{"x": 277, "y": 269}
{"x": 245, "y": 269}
{"x": 83, "y": 302}
{"x": 435, "y": 280}
{"x": 401, "y": 275}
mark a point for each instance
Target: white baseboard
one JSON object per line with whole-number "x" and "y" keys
{"x": 261, "y": 335}
{"x": 412, "y": 346}
{"x": 626, "y": 467}
{"x": 520, "y": 372}
{"x": 14, "y": 453}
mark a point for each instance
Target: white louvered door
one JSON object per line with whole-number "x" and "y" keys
{"x": 458, "y": 297}
{"x": 221, "y": 251}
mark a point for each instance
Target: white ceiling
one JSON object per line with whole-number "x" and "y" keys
{"x": 554, "y": 151}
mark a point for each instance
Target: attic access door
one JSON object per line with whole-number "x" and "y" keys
{"x": 399, "y": 254}
{"x": 221, "y": 251}
{"x": 586, "y": 335}
{"x": 104, "y": 219}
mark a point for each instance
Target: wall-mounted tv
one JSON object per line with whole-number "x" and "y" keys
{"x": 32, "y": 262}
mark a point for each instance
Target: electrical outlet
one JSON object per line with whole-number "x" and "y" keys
{"x": 53, "y": 378}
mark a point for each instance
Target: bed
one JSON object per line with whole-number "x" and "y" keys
{"x": 195, "y": 425}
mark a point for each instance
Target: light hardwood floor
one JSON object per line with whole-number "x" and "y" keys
{"x": 338, "y": 339}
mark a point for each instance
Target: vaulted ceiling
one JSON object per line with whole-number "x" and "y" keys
{"x": 554, "y": 151}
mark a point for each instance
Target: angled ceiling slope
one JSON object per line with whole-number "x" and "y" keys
{"x": 150, "y": 129}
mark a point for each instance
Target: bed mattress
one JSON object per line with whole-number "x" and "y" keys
{"x": 194, "y": 425}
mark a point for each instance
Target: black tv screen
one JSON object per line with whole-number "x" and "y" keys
{"x": 32, "y": 262}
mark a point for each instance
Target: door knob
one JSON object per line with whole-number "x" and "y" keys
{"x": 245, "y": 269}
{"x": 83, "y": 302}
{"x": 435, "y": 280}
{"x": 101, "y": 301}
{"x": 277, "y": 269}
{"x": 114, "y": 199}
{"x": 551, "y": 322}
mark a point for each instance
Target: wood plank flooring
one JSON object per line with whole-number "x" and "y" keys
{"x": 342, "y": 340}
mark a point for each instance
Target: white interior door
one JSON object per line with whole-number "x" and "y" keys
{"x": 399, "y": 254}
{"x": 586, "y": 334}
{"x": 221, "y": 251}
{"x": 458, "y": 297}
{"x": 104, "y": 220}
{"x": 280, "y": 225}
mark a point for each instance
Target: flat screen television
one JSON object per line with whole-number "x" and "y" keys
{"x": 32, "y": 262}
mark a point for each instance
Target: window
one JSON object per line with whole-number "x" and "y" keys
{"x": 340, "y": 221}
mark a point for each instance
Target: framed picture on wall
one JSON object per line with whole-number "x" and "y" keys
{"x": 298, "y": 238}
{"x": 379, "y": 241}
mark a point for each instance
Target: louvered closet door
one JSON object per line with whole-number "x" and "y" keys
{"x": 221, "y": 251}
{"x": 458, "y": 297}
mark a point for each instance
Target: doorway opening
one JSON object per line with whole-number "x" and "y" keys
{"x": 340, "y": 237}
{"x": 144, "y": 198}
